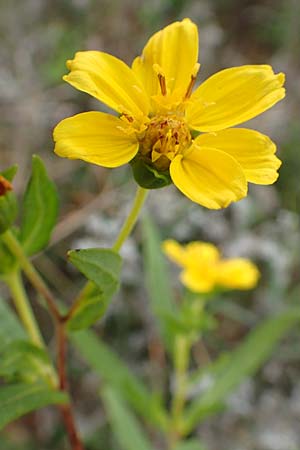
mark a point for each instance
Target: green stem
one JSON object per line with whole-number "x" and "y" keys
{"x": 23, "y": 308}
{"x": 126, "y": 229}
{"x": 129, "y": 223}
{"x": 32, "y": 274}
{"x": 181, "y": 364}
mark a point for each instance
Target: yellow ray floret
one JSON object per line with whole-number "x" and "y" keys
{"x": 159, "y": 111}
{"x": 205, "y": 270}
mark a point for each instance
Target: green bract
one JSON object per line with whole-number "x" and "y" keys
{"x": 148, "y": 177}
{"x": 8, "y": 201}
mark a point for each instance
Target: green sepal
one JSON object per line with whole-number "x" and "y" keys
{"x": 8, "y": 210}
{"x": 8, "y": 202}
{"x": 147, "y": 176}
{"x": 102, "y": 268}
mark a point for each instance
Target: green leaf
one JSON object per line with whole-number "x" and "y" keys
{"x": 8, "y": 200}
{"x": 19, "y": 399}
{"x": 102, "y": 267}
{"x": 112, "y": 370}
{"x": 10, "y": 173}
{"x": 22, "y": 361}
{"x": 8, "y": 261}
{"x": 157, "y": 280}
{"x": 125, "y": 426}
{"x": 242, "y": 362}
{"x": 10, "y": 327}
{"x": 190, "y": 444}
{"x": 40, "y": 208}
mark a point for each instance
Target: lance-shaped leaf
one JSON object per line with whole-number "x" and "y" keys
{"x": 157, "y": 280}
{"x": 113, "y": 371}
{"x": 125, "y": 425}
{"x": 189, "y": 444}
{"x": 40, "y": 208}
{"x": 19, "y": 399}
{"x": 102, "y": 267}
{"x": 241, "y": 363}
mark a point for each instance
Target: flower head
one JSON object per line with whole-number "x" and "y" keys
{"x": 161, "y": 116}
{"x": 204, "y": 269}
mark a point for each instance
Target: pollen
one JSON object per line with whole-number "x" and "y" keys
{"x": 164, "y": 138}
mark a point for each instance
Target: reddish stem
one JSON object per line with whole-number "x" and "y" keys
{"x": 66, "y": 410}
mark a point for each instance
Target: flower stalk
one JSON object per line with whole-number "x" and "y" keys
{"x": 181, "y": 363}
{"x": 129, "y": 223}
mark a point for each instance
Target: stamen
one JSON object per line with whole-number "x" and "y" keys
{"x": 192, "y": 82}
{"x": 128, "y": 117}
{"x": 162, "y": 82}
{"x": 161, "y": 79}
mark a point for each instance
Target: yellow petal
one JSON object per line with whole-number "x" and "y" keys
{"x": 174, "y": 251}
{"x": 97, "y": 138}
{"x": 175, "y": 50}
{"x": 209, "y": 177}
{"x": 238, "y": 273}
{"x": 198, "y": 280}
{"x": 201, "y": 253}
{"x": 110, "y": 80}
{"x": 200, "y": 264}
{"x": 233, "y": 96}
{"x": 254, "y": 152}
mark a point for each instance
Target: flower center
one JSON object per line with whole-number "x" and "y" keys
{"x": 164, "y": 138}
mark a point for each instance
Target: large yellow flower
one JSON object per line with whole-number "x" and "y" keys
{"x": 160, "y": 117}
{"x": 204, "y": 269}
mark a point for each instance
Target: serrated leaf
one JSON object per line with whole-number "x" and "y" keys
{"x": 102, "y": 267}
{"x": 242, "y": 362}
{"x": 157, "y": 280}
{"x": 40, "y": 208}
{"x": 108, "y": 365}
{"x": 125, "y": 425}
{"x": 19, "y": 399}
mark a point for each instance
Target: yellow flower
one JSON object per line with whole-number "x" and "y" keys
{"x": 160, "y": 117}
{"x": 204, "y": 269}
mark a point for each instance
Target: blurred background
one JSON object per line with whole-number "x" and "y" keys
{"x": 37, "y": 37}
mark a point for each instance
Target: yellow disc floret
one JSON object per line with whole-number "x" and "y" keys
{"x": 164, "y": 138}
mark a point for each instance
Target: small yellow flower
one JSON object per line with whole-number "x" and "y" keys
{"x": 160, "y": 116}
{"x": 204, "y": 269}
